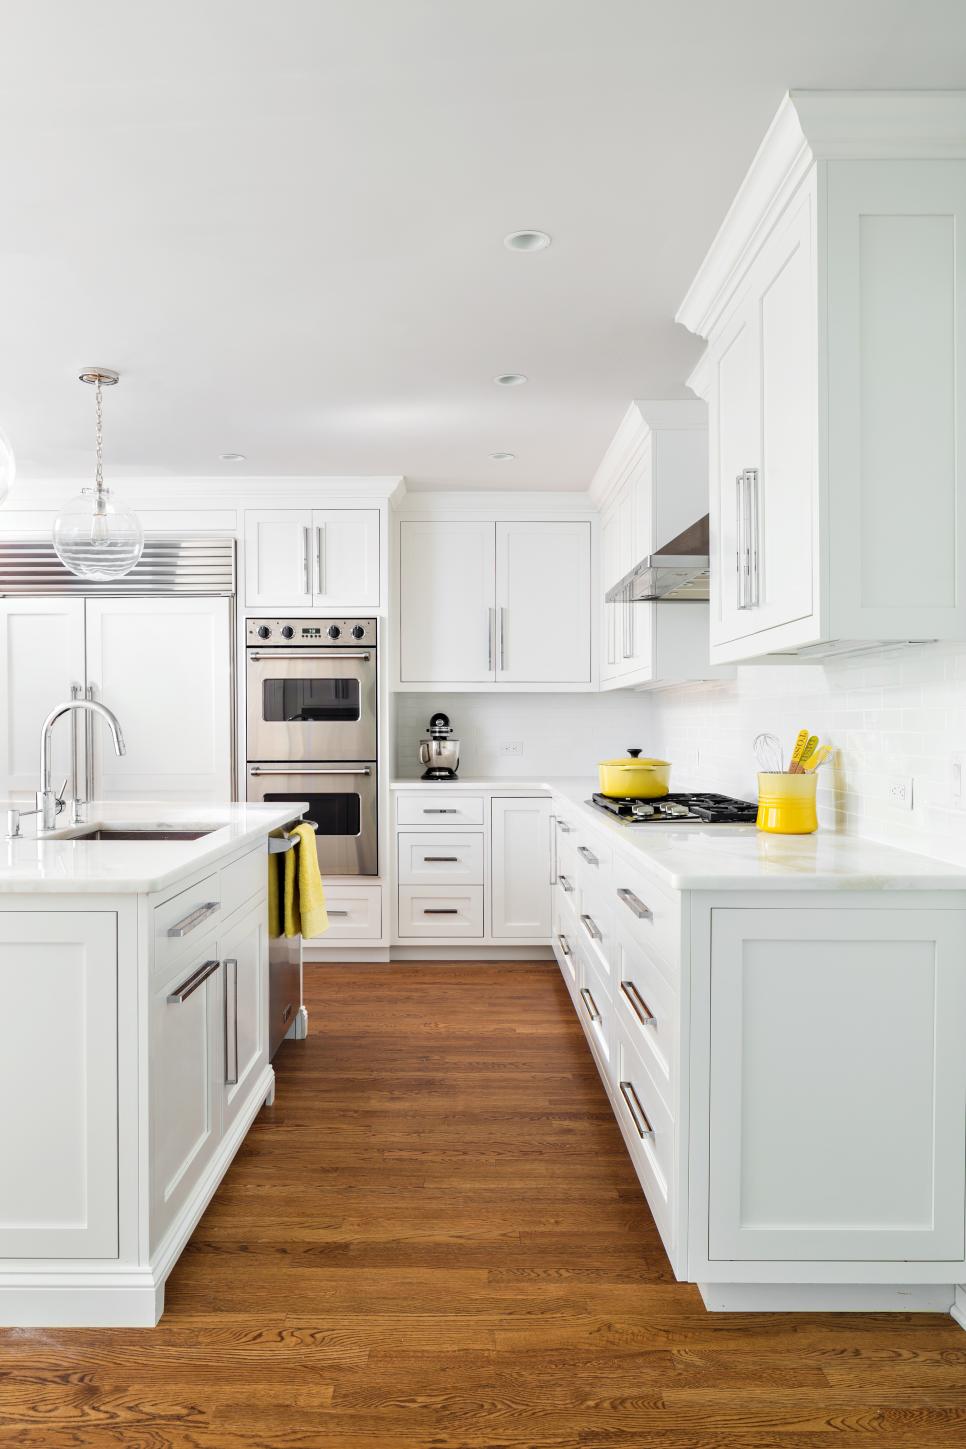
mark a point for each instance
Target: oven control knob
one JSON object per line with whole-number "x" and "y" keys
{"x": 334, "y": 632}
{"x": 264, "y": 632}
{"x": 358, "y": 632}
{"x": 288, "y": 632}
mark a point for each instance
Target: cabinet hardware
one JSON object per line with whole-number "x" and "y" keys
{"x": 440, "y": 810}
{"x": 564, "y": 945}
{"x": 305, "y": 562}
{"x": 564, "y": 827}
{"x": 589, "y": 1003}
{"x": 587, "y": 855}
{"x": 746, "y": 492}
{"x": 553, "y": 849}
{"x": 591, "y": 927}
{"x": 440, "y": 911}
{"x": 337, "y": 913}
{"x": 639, "y": 1006}
{"x": 191, "y": 983}
{"x": 257, "y": 655}
{"x": 490, "y": 637}
{"x": 563, "y": 880}
{"x": 502, "y": 662}
{"x": 288, "y": 770}
{"x": 634, "y": 904}
{"x": 194, "y": 918}
{"x": 441, "y": 859}
{"x": 319, "y": 555}
{"x": 637, "y": 1112}
{"x": 88, "y": 748}
{"x": 231, "y": 1021}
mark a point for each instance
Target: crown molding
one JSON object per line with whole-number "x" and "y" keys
{"x": 810, "y": 127}
{"x": 630, "y": 442}
{"x": 489, "y": 504}
{"x": 191, "y": 493}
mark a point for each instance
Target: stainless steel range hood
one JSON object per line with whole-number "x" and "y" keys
{"x": 679, "y": 570}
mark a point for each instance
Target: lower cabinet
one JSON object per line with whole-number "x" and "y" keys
{"x": 520, "y": 867}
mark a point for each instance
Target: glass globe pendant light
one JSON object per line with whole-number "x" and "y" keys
{"x": 92, "y": 536}
{"x": 8, "y": 467}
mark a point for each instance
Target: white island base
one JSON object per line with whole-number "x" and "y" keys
{"x": 133, "y": 1056}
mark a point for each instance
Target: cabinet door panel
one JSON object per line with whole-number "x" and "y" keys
{"x": 520, "y": 874}
{"x": 543, "y": 603}
{"x": 837, "y": 1084}
{"x": 446, "y": 602}
{"x": 345, "y": 560}
{"x": 41, "y": 656}
{"x": 278, "y": 563}
{"x": 58, "y": 1129}
{"x": 734, "y": 430}
{"x": 243, "y": 995}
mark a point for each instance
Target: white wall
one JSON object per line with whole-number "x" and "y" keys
{"x": 561, "y": 734}
{"x": 894, "y": 714}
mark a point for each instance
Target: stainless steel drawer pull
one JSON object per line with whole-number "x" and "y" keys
{"x": 298, "y": 774}
{"x": 587, "y": 855}
{"x": 441, "y": 859}
{"x": 635, "y": 904}
{"x": 564, "y": 827}
{"x": 564, "y": 945}
{"x": 590, "y": 1004}
{"x": 231, "y": 1021}
{"x": 591, "y": 927}
{"x": 191, "y": 983}
{"x": 440, "y": 911}
{"x": 565, "y": 883}
{"x": 194, "y": 918}
{"x": 638, "y": 1115}
{"x": 258, "y": 656}
{"x": 337, "y": 913}
{"x": 639, "y": 1006}
{"x": 440, "y": 810}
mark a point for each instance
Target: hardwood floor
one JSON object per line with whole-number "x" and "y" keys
{"x": 434, "y": 1240}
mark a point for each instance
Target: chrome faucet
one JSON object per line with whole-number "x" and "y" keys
{"x": 48, "y": 803}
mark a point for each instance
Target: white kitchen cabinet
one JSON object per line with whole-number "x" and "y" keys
{"x": 41, "y": 657}
{"x": 495, "y": 603}
{"x": 59, "y": 1183}
{"x": 836, "y": 333}
{"x": 312, "y": 558}
{"x": 243, "y": 951}
{"x": 837, "y": 1084}
{"x": 520, "y": 867}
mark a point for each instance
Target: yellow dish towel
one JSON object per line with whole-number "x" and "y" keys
{"x": 274, "y": 916}
{"x": 304, "y": 900}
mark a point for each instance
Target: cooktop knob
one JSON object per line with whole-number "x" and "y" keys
{"x": 264, "y": 632}
{"x": 358, "y": 632}
{"x": 334, "y": 632}
{"x": 288, "y": 632}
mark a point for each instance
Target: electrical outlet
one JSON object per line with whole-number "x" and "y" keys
{"x": 512, "y": 747}
{"x": 957, "y": 780}
{"x": 900, "y": 792}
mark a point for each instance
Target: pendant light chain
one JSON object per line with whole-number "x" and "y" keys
{"x": 99, "y": 438}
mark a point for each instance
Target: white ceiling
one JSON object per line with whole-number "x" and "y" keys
{"x": 282, "y": 220}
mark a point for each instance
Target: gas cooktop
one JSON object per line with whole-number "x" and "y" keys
{"x": 677, "y": 809}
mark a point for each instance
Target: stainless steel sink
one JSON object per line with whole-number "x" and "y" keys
{"x": 134, "y": 832}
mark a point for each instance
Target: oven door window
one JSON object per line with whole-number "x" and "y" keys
{"x": 334, "y": 814}
{"x": 311, "y": 701}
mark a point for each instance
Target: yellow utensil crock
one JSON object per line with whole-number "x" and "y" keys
{"x": 786, "y": 804}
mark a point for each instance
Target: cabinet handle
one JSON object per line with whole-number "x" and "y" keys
{"x": 306, "y": 580}
{"x": 553, "y": 849}
{"x": 490, "y": 636}
{"x": 294, "y": 771}
{"x": 332, "y": 655}
{"x": 88, "y": 748}
{"x": 337, "y": 913}
{"x": 563, "y": 826}
{"x": 191, "y": 983}
{"x": 440, "y": 911}
{"x": 634, "y": 904}
{"x": 746, "y": 485}
{"x": 502, "y": 661}
{"x": 194, "y": 918}
{"x": 231, "y": 1021}
{"x": 441, "y": 860}
{"x": 639, "y": 1006}
{"x": 564, "y": 945}
{"x": 319, "y": 557}
{"x": 591, "y": 927}
{"x": 440, "y": 810}
{"x": 562, "y": 880}
{"x": 587, "y": 855}
{"x": 754, "y": 573}
{"x": 589, "y": 1003}
{"x": 638, "y": 1115}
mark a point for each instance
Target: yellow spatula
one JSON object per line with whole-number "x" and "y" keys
{"x": 801, "y": 739}
{"x": 811, "y": 746}
{"x": 818, "y": 758}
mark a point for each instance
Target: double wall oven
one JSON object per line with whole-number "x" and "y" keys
{"x": 312, "y": 730}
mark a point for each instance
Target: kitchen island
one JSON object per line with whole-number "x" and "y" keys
{"x": 133, "y": 1048}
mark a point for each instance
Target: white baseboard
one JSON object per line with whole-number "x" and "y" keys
{"x": 828, "y": 1297}
{"x": 472, "y": 953}
{"x": 958, "y": 1310}
{"x": 340, "y": 955}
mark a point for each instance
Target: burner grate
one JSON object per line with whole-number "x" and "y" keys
{"x": 677, "y": 807}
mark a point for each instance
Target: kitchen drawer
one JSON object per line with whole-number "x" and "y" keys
{"x": 595, "y": 1011}
{"x": 184, "y": 919}
{"x": 566, "y": 884}
{"x": 646, "y": 1004}
{"x": 651, "y": 914}
{"x": 593, "y": 860}
{"x": 244, "y": 880}
{"x": 355, "y": 913}
{"x": 648, "y": 1128}
{"x": 595, "y": 914}
{"x": 564, "y": 948}
{"x": 427, "y": 858}
{"x": 440, "y": 910}
{"x": 439, "y": 807}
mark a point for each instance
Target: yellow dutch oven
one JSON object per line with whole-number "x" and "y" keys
{"x": 644, "y": 779}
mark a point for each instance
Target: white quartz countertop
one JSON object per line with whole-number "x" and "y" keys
{"x": 739, "y": 857}
{"x": 106, "y": 867}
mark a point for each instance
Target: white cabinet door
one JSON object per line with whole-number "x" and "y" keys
{"x": 243, "y": 998}
{"x": 838, "y": 1084}
{"x": 163, "y": 665}
{"x": 345, "y": 558}
{"x": 41, "y": 656}
{"x": 734, "y": 442}
{"x": 520, "y": 868}
{"x": 58, "y": 1042}
{"x": 610, "y": 573}
{"x": 446, "y": 601}
{"x": 543, "y": 602}
{"x": 278, "y": 558}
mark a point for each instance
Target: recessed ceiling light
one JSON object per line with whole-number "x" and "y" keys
{"x": 527, "y": 241}
{"x": 231, "y": 458}
{"x": 503, "y": 457}
{"x": 510, "y": 379}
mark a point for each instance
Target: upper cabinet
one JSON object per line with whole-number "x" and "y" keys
{"x": 651, "y": 485}
{"x": 299, "y": 558}
{"x": 501, "y": 603}
{"x": 836, "y": 333}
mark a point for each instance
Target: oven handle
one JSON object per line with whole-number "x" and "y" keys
{"x": 257, "y": 655}
{"x": 298, "y": 774}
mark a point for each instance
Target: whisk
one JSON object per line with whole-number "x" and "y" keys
{"x": 771, "y": 756}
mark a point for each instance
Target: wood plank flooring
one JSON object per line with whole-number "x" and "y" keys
{"x": 434, "y": 1240}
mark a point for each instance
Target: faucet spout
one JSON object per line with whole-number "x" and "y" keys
{"x": 48, "y": 804}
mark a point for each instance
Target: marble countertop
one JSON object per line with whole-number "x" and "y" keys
{"x": 739, "y": 857}
{"x": 56, "y": 863}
